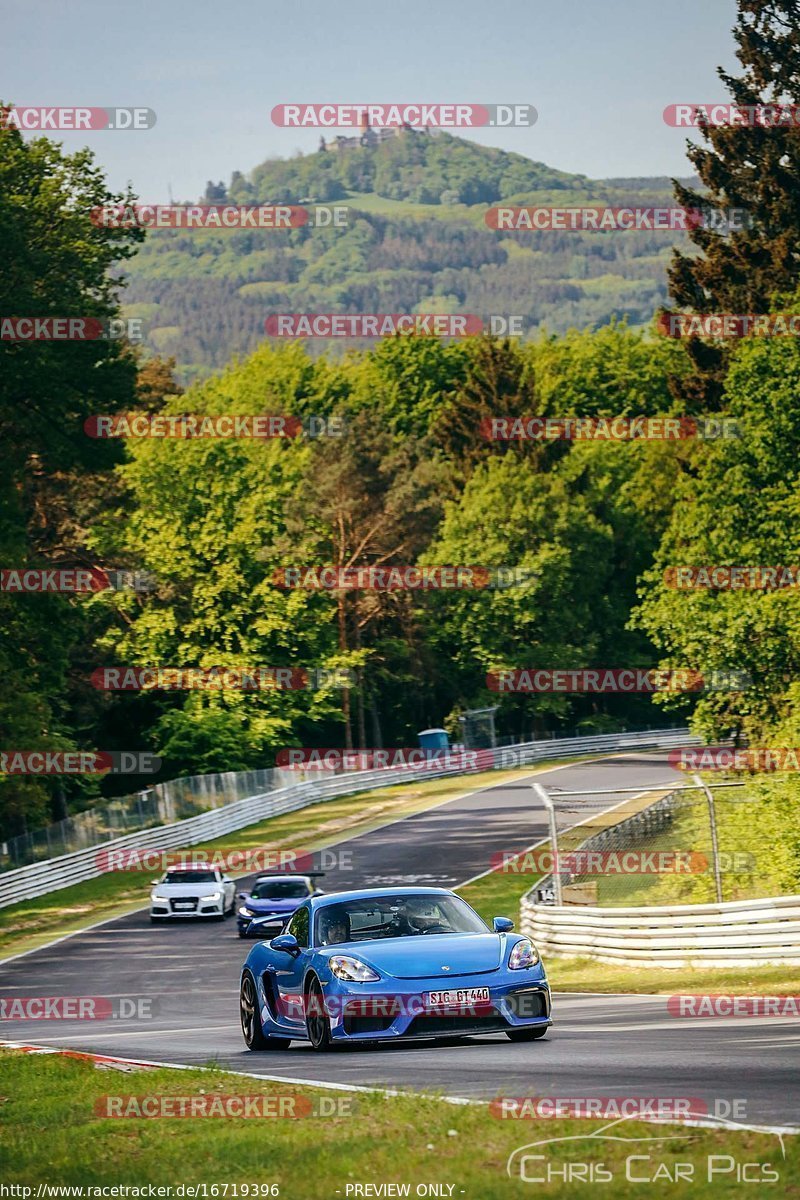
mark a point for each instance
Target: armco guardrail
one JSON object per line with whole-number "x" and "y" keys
{"x": 53, "y": 874}
{"x": 749, "y": 932}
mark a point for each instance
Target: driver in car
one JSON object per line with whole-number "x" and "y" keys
{"x": 334, "y": 927}
{"x": 410, "y": 919}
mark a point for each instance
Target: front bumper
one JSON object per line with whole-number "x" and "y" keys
{"x": 166, "y": 910}
{"x": 269, "y": 928}
{"x": 390, "y": 1010}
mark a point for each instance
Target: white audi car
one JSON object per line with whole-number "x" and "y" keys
{"x": 192, "y": 892}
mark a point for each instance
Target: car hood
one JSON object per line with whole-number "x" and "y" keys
{"x": 424, "y": 956}
{"x": 186, "y": 889}
{"x": 270, "y": 906}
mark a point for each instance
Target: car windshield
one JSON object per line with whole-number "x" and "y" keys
{"x": 280, "y": 889}
{"x": 391, "y": 916}
{"x": 190, "y": 877}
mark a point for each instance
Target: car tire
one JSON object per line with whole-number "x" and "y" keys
{"x": 242, "y": 933}
{"x": 252, "y": 1031}
{"x": 318, "y": 1024}
{"x": 526, "y": 1035}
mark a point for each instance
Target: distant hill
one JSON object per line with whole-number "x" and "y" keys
{"x": 416, "y": 241}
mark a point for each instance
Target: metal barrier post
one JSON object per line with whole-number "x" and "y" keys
{"x": 712, "y": 816}
{"x": 544, "y": 796}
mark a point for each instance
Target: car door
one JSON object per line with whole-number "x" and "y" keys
{"x": 288, "y": 971}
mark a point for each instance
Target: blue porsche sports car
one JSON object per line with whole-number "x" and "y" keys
{"x": 383, "y": 964}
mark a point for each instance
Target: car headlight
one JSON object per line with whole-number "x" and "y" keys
{"x": 156, "y": 896}
{"x": 211, "y": 896}
{"x": 245, "y": 912}
{"x": 524, "y": 954}
{"x": 352, "y": 969}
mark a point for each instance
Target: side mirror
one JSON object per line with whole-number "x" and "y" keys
{"x": 286, "y": 943}
{"x": 243, "y": 895}
{"x": 153, "y": 882}
{"x": 226, "y": 879}
{"x": 319, "y": 892}
{"x": 502, "y": 924}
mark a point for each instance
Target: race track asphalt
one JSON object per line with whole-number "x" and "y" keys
{"x": 599, "y": 1045}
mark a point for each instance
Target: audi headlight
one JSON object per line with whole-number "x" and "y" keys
{"x": 245, "y": 912}
{"x": 156, "y": 896}
{"x": 352, "y": 969}
{"x": 211, "y": 896}
{"x": 523, "y": 954}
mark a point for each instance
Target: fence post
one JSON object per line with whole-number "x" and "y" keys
{"x": 544, "y": 796}
{"x": 712, "y": 816}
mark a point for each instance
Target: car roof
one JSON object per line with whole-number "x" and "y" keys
{"x": 274, "y": 878}
{"x": 370, "y": 893}
{"x": 197, "y": 867}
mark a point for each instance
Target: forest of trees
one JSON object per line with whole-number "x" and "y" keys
{"x": 411, "y": 481}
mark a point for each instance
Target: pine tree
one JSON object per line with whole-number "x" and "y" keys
{"x": 751, "y": 167}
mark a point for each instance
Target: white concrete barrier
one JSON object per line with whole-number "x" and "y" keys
{"x": 746, "y": 932}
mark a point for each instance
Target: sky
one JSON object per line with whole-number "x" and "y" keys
{"x": 599, "y": 73}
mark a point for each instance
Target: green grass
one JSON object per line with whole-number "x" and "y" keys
{"x": 34, "y": 923}
{"x": 586, "y": 975}
{"x": 51, "y": 1133}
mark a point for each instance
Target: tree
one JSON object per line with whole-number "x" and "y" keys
{"x": 59, "y": 264}
{"x": 751, "y": 167}
{"x": 741, "y": 509}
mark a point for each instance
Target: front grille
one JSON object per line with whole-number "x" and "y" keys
{"x": 489, "y": 1021}
{"x": 187, "y": 903}
{"x": 360, "y": 1024}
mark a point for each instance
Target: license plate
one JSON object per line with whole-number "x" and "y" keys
{"x": 184, "y": 904}
{"x": 458, "y": 996}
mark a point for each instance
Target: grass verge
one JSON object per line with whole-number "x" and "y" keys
{"x": 54, "y": 1133}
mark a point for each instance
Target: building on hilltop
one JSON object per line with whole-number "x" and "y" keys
{"x": 369, "y": 136}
